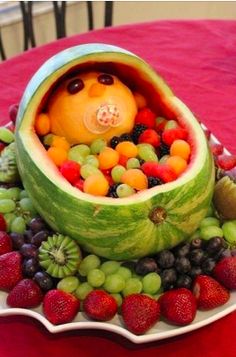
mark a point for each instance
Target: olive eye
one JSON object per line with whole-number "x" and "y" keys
{"x": 75, "y": 86}
{"x": 105, "y": 79}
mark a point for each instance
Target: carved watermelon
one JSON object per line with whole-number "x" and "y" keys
{"x": 123, "y": 228}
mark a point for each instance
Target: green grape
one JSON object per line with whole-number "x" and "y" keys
{"x": 68, "y": 284}
{"x": 47, "y": 139}
{"x": 114, "y": 283}
{"x": 124, "y": 272}
{"x": 83, "y": 290}
{"x": 110, "y": 267}
{"x": 229, "y": 230}
{"x": 97, "y": 146}
{"x": 18, "y": 225}
{"x": 9, "y": 218}
{"x": 171, "y": 124}
{"x": 4, "y": 193}
{"x": 14, "y": 193}
{"x": 92, "y": 160}
{"x": 6, "y": 135}
{"x": 163, "y": 159}
{"x": 132, "y": 286}
{"x": 151, "y": 283}
{"x": 23, "y": 194}
{"x": 96, "y": 278}
{"x": 27, "y": 205}
{"x": 146, "y": 152}
{"x": 88, "y": 263}
{"x": 209, "y": 221}
{"x": 74, "y": 156}
{"x": 88, "y": 170}
{"x": 124, "y": 190}
{"x": 210, "y": 232}
{"x": 117, "y": 172}
{"x": 118, "y": 298}
{"x": 132, "y": 163}
{"x": 7, "y": 205}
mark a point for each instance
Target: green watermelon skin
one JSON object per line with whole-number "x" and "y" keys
{"x": 113, "y": 228}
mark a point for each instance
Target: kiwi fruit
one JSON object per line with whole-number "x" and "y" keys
{"x": 8, "y": 166}
{"x": 224, "y": 198}
{"x": 60, "y": 256}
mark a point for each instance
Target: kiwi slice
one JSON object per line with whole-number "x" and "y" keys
{"x": 224, "y": 198}
{"x": 8, "y": 166}
{"x": 60, "y": 256}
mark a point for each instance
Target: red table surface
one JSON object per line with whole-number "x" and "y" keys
{"x": 198, "y": 60}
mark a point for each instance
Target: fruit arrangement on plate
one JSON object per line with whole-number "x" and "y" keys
{"x": 113, "y": 200}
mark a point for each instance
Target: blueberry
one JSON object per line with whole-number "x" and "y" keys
{"x": 75, "y": 86}
{"x": 182, "y": 250}
{"x": 184, "y": 281}
{"x": 168, "y": 278}
{"x": 165, "y": 259}
{"x": 105, "y": 79}
{"x": 208, "y": 265}
{"x": 214, "y": 245}
{"x": 182, "y": 265}
{"x": 196, "y": 243}
{"x": 195, "y": 270}
{"x": 197, "y": 256}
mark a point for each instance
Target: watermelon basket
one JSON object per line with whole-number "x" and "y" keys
{"x": 121, "y": 229}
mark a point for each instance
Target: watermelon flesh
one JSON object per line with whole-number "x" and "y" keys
{"x": 118, "y": 229}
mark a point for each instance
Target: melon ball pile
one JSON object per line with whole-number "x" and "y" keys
{"x": 156, "y": 151}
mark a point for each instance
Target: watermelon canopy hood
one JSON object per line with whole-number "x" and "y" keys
{"x": 89, "y": 218}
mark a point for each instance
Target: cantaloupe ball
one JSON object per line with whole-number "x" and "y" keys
{"x": 58, "y": 155}
{"x": 108, "y": 158}
{"x": 96, "y": 185}
{"x": 127, "y": 148}
{"x": 135, "y": 178}
{"x": 177, "y": 163}
{"x": 180, "y": 148}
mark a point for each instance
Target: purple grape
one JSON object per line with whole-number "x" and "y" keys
{"x": 146, "y": 265}
{"x": 37, "y": 224}
{"x": 214, "y": 245}
{"x": 17, "y": 240}
{"x": 43, "y": 280}
{"x": 28, "y": 235}
{"x": 29, "y": 250}
{"x": 39, "y": 237}
{"x": 30, "y": 267}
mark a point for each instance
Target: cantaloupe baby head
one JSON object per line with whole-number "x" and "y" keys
{"x": 123, "y": 228}
{"x": 91, "y": 105}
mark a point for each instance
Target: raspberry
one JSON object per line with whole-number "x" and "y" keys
{"x": 150, "y": 136}
{"x": 147, "y": 117}
{"x": 137, "y": 131}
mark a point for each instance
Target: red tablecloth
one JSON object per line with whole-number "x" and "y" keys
{"x": 198, "y": 60}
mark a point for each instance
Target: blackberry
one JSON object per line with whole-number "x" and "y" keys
{"x": 164, "y": 150}
{"x": 141, "y": 161}
{"x": 154, "y": 181}
{"x": 114, "y": 141}
{"x": 137, "y": 131}
{"x": 112, "y": 191}
{"x": 126, "y": 137}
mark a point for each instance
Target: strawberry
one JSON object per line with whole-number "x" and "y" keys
{"x": 25, "y": 294}
{"x": 216, "y": 149}
{"x": 226, "y": 162}
{"x": 209, "y": 293}
{"x": 5, "y": 243}
{"x": 99, "y": 305}
{"x": 3, "y": 224}
{"x": 140, "y": 313}
{"x": 147, "y": 117}
{"x": 10, "y": 270}
{"x": 170, "y": 135}
{"x": 225, "y": 272}
{"x": 178, "y": 306}
{"x": 150, "y": 136}
{"x": 60, "y": 307}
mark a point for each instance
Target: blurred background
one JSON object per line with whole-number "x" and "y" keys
{"x": 25, "y": 24}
